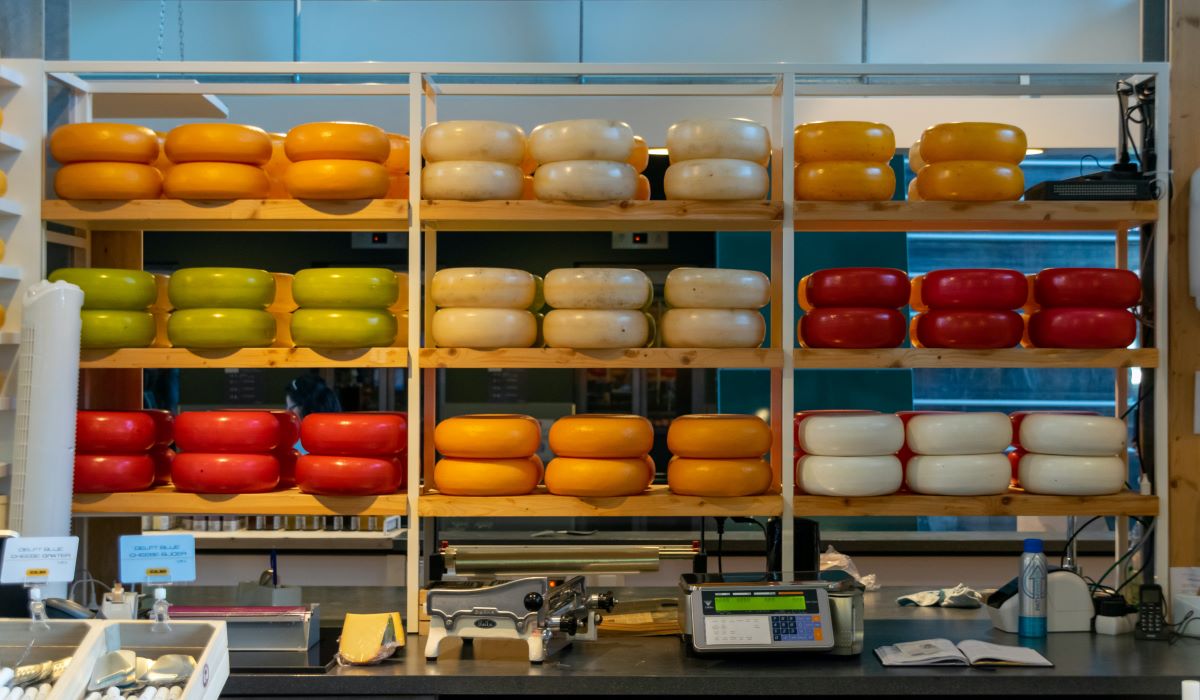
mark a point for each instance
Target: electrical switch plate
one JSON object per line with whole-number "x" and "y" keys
{"x": 381, "y": 240}
{"x": 639, "y": 240}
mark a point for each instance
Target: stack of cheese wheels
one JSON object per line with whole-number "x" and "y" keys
{"x": 600, "y": 456}
{"x": 344, "y": 307}
{"x": 714, "y": 308}
{"x": 1084, "y": 307}
{"x": 285, "y": 451}
{"x": 226, "y": 452}
{"x": 970, "y": 309}
{"x": 718, "y": 455}
{"x": 1018, "y": 451}
{"x": 583, "y": 160}
{"x": 484, "y": 308}
{"x": 397, "y": 167}
{"x": 115, "y": 304}
{"x": 598, "y": 308}
{"x": 849, "y": 453}
{"x": 971, "y": 162}
{"x": 853, "y": 307}
{"x": 221, "y": 307}
{"x": 337, "y": 160}
{"x": 276, "y": 167}
{"x": 112, "y": 451}
{"x": 106, "y": 161}
{"x": 958, "y": 454}
{"x": 472, "y": 160}
{"x": 718, "y": 159}
{"x": 844, "y": 161}
{"x": 164, "y": 436}
{"x": 217, "y": 161}
{"x": 488, "y": 455}
{"x": 352, "y": 454}
{"x": 1071, "y": 454}
{"x": 639, "y": 158}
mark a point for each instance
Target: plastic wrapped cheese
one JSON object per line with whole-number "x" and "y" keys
{"x": 484, "y": 328}
{"x": 741, "y": 139}
{"x": 471, "y": 180}
{"x": 820, "y": 475}
{"x": 597, "y": 288}
{"x": 959, "y": 475}
{"x": 851, "y": 435}
{"x": 585, "y": 181}
{"x": 581, "y": 139}
{"x": 483, "y": 287}
{"x": 959, "y": 433}
{"x": 1060, "y": 475}
{"x": 716, "y": 179}
{"x": 469, "y": 139}
{"x": 595, "y": 329}
{"x": 716, "y": 288}
{"x": 1073, "y": 434}
{"x": 713, "y": 328}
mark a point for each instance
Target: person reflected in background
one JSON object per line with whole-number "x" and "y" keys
{"x": 307, "y": 394}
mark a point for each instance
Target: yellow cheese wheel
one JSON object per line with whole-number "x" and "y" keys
{"x": 845, "y": 140}
{"x": 716, "y": 288}
{"x": 336, "y": 179}
{"x": 718, "y": 478}
{"x": 914, "y": 191}
{"x": 720, "y": 179}
{"x": 581, "y": 139}
{"x": 488, "y": 436}
{"x": 1004, "y": 143}
{"x": 470, "y": 139}
{"x": 844, "y": 181}
{"x": 276, "y": 168}
{"x": 484, "y": 328}
{"x": 487, "y": 477}
{"x": 343, "y": 328}
{"x": 471, "y": 180}
{"x": 221, "y": 287}
{"x": 98, "y": 141}
{"x": 527, "y": 192}
{"x": 221, "y": 328}
{"x": 713, "y": 328}
{"x": 641, "y": 190}
{"x": 345, "y": 288}
{"x": 597, "y": 288}
{"x": 397, "y": 187}
{"x": 116, "y": 329}
{"x": 483, "y": 287}
{"x": 218, "y": 142}
{"x": 216, "y": 181}
{"x": 337, "y": 141}
{"x": 111, "y": 181}
{"x": 594, "y": 329}
{"x": 971, "y": 181}
{"x": 719, "y": 436}
{"x": 601, "y": 436}
{"x": 598, "y": 478}
{"x": 639, "y": 157}
{"x": 3, "y": 183}
{"x": 585, "y": 181}
{"x": 398, "y": 156}
{"x": 110, "y": 288}
{"x": 915, "y": 161}
{"x": 740, "y": 139}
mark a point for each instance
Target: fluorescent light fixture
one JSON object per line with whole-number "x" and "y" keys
{"x": 1034, "y": 151}
{"x": 660, "y": 151}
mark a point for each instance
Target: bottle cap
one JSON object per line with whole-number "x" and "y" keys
{"x": 1034, "y": 546}
{"x": 160, "y": 593}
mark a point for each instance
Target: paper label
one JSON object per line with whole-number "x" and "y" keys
{"x": 38, "y": 560}
{"x": 158, "y": 558}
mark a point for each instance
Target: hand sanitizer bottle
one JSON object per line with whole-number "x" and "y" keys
{"x": 1031, "y": 584}
{"x": 159, "y": 613}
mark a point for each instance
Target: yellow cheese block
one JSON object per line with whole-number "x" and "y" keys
{"x": 99, "y": 141}
{"x": 337, "y": 141}
{"x": 599, "y": 478}
{"x": 844, "y": 181}
{"x": 718, "y": 478}
{"x": 488, "y": 436}
{"x": 844, "y": 140}
{"x": 369, "y": 638}
{"x": 1004, "y": 143}
{"x": 601, "y": 436}
{"x": 108, "y": 181}
{"x": 218, "y": 142}
{"x": 487, "y": 477}
{"x": 719, "y": 436}
{"x": 216, "y": 181}
{"x": 971, "y": 181}
{"x": 337, "y": 179}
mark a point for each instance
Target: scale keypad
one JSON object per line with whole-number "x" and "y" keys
{"x": 796, "y": 628}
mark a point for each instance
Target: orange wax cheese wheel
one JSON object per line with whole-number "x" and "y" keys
{"x": 337, "y": 141}
{"x": 601, "y": 436}
{"x": 719, "y": 436}
{"x": 915, "y": 161}
{"x": 585, "y": 181}
{"x": 217, "y": 142}
{"x": 713, "y": 328}
{"x": 595, "y": 329}
{"x": 844, "y": 181}
{"x": 914, "y": 191}
{"x": 398, "y": 156}
{"x": 581, "y": 139}
{"x": 718, "y": 478}
{"x": 488, "y": 436}
{"x": 98, "y": 141}
{"x": 598, "y": 478}
{"x": 716, "y": 179}
{"x": 216, "y": 181}
{"x": 484, "y": 328}
{"x": 844, "y": 140}
{"x": 487, "y": 477}
{"x": 471, "y": 180}
{"x": 111, "y": 181}
{"x": 397, "y": 187}
{"x": 739, "y": 139}
{"x": 471, "y": 139}
{"x": 639, "y": 157}
{"x": 3, "y": 183}
{"x": 973, "y": 141}
{"x": 971, "y": 181}
{"x": 527, "y": 192}
{"x": 641, "y": 191}
{"x": 336, "y": 179}
{"x": 483, "y": 287}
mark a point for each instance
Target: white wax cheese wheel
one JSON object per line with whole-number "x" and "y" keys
{"x": 743, "y": 139}
{"x": 851, "y": 435}
{"x": 1063, "y": 434}
{"x": 585, "y": 181}
{"x": 484, "y": 328}
{"x": 849, "y": 476}
{"x": 593, "y": 329}
{"x": 469, "y": 139}
{"x": 713, "y": 328}
{"x": 471, "y": 180}
{"x": 714, "y": 288}
{"x": 716, "y": 179}
{"x": 959, "y": 475}
{"x": 959, "y": 433}
{"x": 597, "y": 288}
{"x": 1060, "y": 475}
{"x": 581, "y": 139}
{"x": 483, "y": 287}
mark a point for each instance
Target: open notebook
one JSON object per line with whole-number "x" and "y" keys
{"x": 971, "y": 652}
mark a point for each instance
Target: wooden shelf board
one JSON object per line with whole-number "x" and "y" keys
{"x": 968, "y": 216}
{"x": 658, "y": 215}
{"x": 156, "y": 358}
{"x": 1015, "y": 502}
{"x": 567, "y": 358}
{"x": 165, "y": 500}
{"x": 657, "y": 500}
{"x": 9, "y": 208}
{"x": 235, "y": 215}
{"x": 11, "y": 143}
{"x": 823, "y": 358}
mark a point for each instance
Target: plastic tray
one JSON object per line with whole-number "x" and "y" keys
{"x": 61, "y": 639}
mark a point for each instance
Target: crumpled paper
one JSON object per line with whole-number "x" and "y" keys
{"x": 960, "y": 596}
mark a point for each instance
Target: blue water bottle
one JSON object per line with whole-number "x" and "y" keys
{"x": 1031, "y": 585}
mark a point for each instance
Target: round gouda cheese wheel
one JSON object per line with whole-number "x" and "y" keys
{"x": 218, "y": 142}
{"x": 216, "y": 181}
{"x": 716, "y": 288}
{"x": 484, "y": 328}
{"x": 599, "y": 478}
{"x": 639, "y": 157}
{"x": 483, "y": 287}
{"x": 1076, "y": 435}
{"x": 597, "y": 288}
{"x": 108, "y": 181}
{"x": 1059, "y": 475}
{"x": 595, "y": 329}
{"x": 740, "y": 139}
{"x": 110, "y": 288}
{"x": 343, "y": 328}
{"x": 914, "y": 191}
{"x": 713, "y": 328}
{"x": 469, "y": 139}
{"x": 398, "y": 156}
{"x": 719, "y": 436}
{"x": 345, "y": 288}
{"x": 212, "y": 287}
{"x": 959, "y": 475}
{"x": 718, "y": 478}
{"x": 487, "y": 477}
{"x": 959, "y": 433}
{"x": 337, "y": 141}
{"x": 116, "y": 329}
{"x": 820, "y": 475}
{"x": 971, "y": 181}
{"x": 488, "y": 436}
{"x": 870, "y": 142}
{"x": 581, "y": 139}
{"x": 337, "y": 179}
{"x": 104, "y": 142}
{"x": 844, "y": 181}
{"x": 585, "y": 181}
{"x": 471, "y": 180}
{"x": 716, "y": 179}
{"x": 601, "y": 436}
{"x": 221, "y": 328}
{"x": 915, "y": 161}
{"x": 973, "y": 141}
{"x": 851, "y": 435}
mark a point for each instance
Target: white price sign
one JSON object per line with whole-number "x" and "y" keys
{"x": 38, "y": 560}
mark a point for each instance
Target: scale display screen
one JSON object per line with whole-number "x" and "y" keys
{"x": 775, "y": 603}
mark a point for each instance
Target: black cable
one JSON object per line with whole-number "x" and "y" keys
{"x": 720, "y": 544}
{"x": 1132, "y": 576}
{"x": 1181, "y": 626}
{"x": 766, "y": 538}
{"x": 1067, "y": 547}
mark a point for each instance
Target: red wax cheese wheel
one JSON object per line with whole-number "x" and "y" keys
{"x": 200, "y": 472}
{"x": 802, "y": 415}
{"x": 601, "y": 436}
{"x": 599, "y": 478}
{"x": 1082, "y": 328}
{"x": 226, "y": 431}
{"x": 113, "y": 473}
{"x": 1014, "y": 461}
{"x": 881, "y": 287}
{"x": 163, "y": 458}
{"x": 718, "y": 478}
{"x": 113, "y": 432}
{"x": 852, "y": 328}
{"x": 349, "y": 476}
{"x": 719, "y": 436}
{"x": 487, "y": 477}
{"x": 354, "y": 434}
{"x": 289, "y": 426}
{"x": 488, "y": 436}
{"x": 287, "y": 459}
{"x": 1087, "y": 287}
{"x": 968, "y": 330}
{"x": 164, "y": 425}
{"x": 981, "y": 289}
